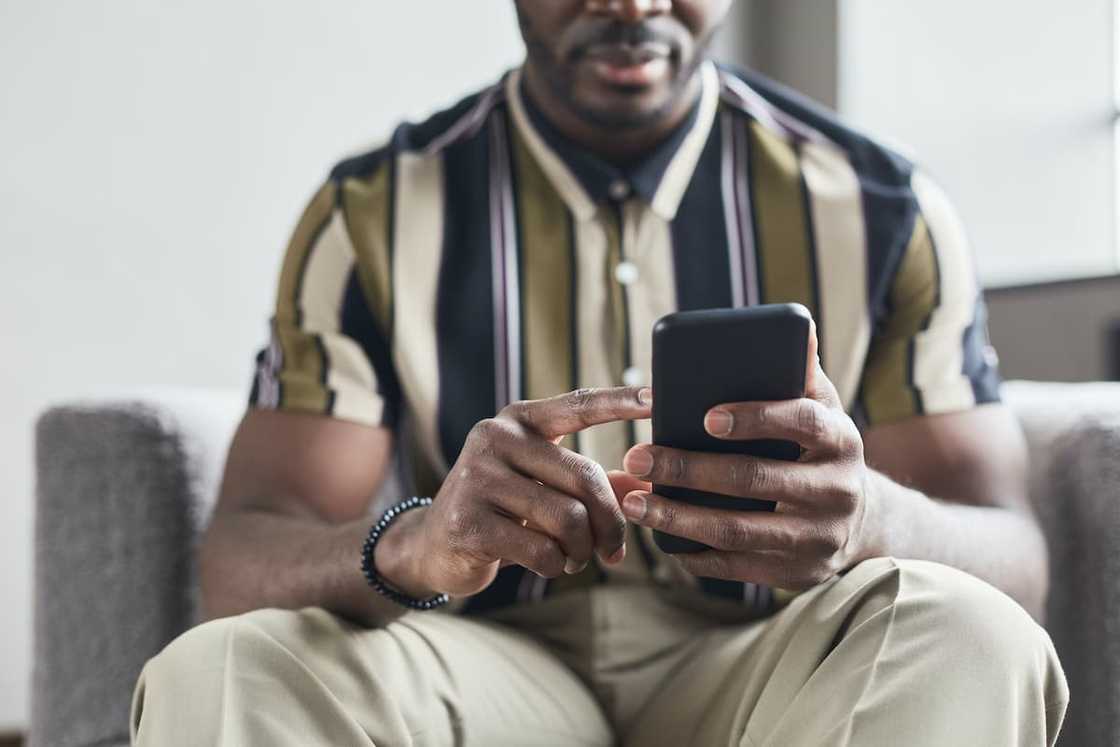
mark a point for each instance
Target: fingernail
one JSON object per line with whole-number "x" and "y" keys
{"x": 573, "y": 566}
{"x": 719, "y": 422}
{"x": 638, "y": 462}
{"x": 645, "y": 396}
{"x": 617, "y": 555}
{"x": 634, "y": 506}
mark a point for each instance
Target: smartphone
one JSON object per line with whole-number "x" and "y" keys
{"x": 705, "y": 358}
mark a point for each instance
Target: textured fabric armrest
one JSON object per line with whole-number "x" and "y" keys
{"x": 122, "y": 489}
{"x": 1083, "y": 610}
{"x": 1073, "y": 431}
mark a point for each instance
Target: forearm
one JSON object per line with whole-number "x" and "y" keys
{"x": 251, "y": 559}
{"x": 1002, "y": 546}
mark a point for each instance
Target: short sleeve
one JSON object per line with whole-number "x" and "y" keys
{"x": 930, "y": 354}
{"x": 328, "y": 354}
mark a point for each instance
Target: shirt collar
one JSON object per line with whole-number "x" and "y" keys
{"x": 585, "y": 181}
{"x": 602, "y": 180}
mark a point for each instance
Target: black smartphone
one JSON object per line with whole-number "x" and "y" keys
{"x": 705, "y": 358}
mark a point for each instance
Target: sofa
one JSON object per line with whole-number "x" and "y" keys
{"x": 124, "y": 487}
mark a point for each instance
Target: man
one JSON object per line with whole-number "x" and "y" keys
{"x": 477, "y": 297}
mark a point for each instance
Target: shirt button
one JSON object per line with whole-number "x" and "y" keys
{"x": 626, "y": 272}
{"x": 633, "y": 376}
{"x": 619, "y": 189}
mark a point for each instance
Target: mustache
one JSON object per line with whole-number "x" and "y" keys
{"x": 601, "y": 32}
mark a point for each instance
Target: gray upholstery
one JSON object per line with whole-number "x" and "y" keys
{"x": 123, "y": 488}
{"x": 121, "y": 492}
{"x": 1074, "y": 437}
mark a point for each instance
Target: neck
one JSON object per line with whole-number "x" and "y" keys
{"x": 614, "y": 145}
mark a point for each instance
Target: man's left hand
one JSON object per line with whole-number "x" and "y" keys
{"x": 820, "y": 525}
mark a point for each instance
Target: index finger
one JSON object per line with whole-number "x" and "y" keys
{"x": 574, "y": 411}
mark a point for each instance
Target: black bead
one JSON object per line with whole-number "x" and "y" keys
{"x": 370, "y": 544}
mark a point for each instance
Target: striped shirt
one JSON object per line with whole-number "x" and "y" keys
{"x": 479, "y": 258}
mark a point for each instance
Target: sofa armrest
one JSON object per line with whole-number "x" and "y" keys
{"x": 122, "y": 488}
{"x": 1082, "y": 523}
{"x": 1073, "y": 431}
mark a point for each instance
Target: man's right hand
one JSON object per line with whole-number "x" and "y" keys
{"x": 516, "y": 496}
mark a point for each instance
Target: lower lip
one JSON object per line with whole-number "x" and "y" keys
{"x": 642, "y": 74}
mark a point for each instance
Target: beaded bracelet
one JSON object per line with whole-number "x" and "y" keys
{"x": 370, "y": 545}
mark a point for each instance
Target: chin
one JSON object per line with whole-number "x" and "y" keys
{"x": 627, "y": 109}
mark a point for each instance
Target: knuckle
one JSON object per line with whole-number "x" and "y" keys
{"x": 812, "y": 420}
{"x": 488, "y": 431}
{"x": 792, "y": 541}
{"x": 521, "y": 411}
{"x": 573, "y": 519}
{"x": 732, "y": 535}
{"x": 474, "y": 476}
{"x": 750, "y": 478}
{"x": 761, "y": 417}
{"x": 580, "y": 400}
{"x": 663, "y": 515}
{"x": 590, "y": 474}
{"x": 735, "y": 474}
{"x": 676, "y": 467}
{"x": 796, "y": 541}
{"x": 571, "y": 462}
{"x": 545, "y": 558}
{"x": 849, "y": 493}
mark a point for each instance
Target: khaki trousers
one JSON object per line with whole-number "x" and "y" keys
{"x": 892, "y": 653}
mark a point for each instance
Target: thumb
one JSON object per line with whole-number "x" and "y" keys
{"x": 817, "y": 385}
{"x": 623, "y": 483}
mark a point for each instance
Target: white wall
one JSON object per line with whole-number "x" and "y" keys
{"x": 153, "y": 157}
{"x": 1012, "y": 105}
{"x": 901, "y": 67}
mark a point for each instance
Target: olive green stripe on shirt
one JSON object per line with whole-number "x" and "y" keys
{"x": 546, "y": 290}
{"x": 367, "y": 205}
{"x": 302, "y": 374}
{"x": 308, "y": 231}
{"x": 888, "y": 383}
{"x": 784, "y": 248}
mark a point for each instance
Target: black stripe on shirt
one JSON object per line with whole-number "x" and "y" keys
{"x": 465, "y": 341}
{"x": 359, "y": 324}
{"x": 700, "y": 252}
{"x": 980, "y": 369}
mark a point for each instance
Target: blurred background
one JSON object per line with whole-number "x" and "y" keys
{"x": 154, "y": 156}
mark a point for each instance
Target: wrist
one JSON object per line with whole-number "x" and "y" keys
{"x": 873, "y": 535}
{"x": 397, "y": 556}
